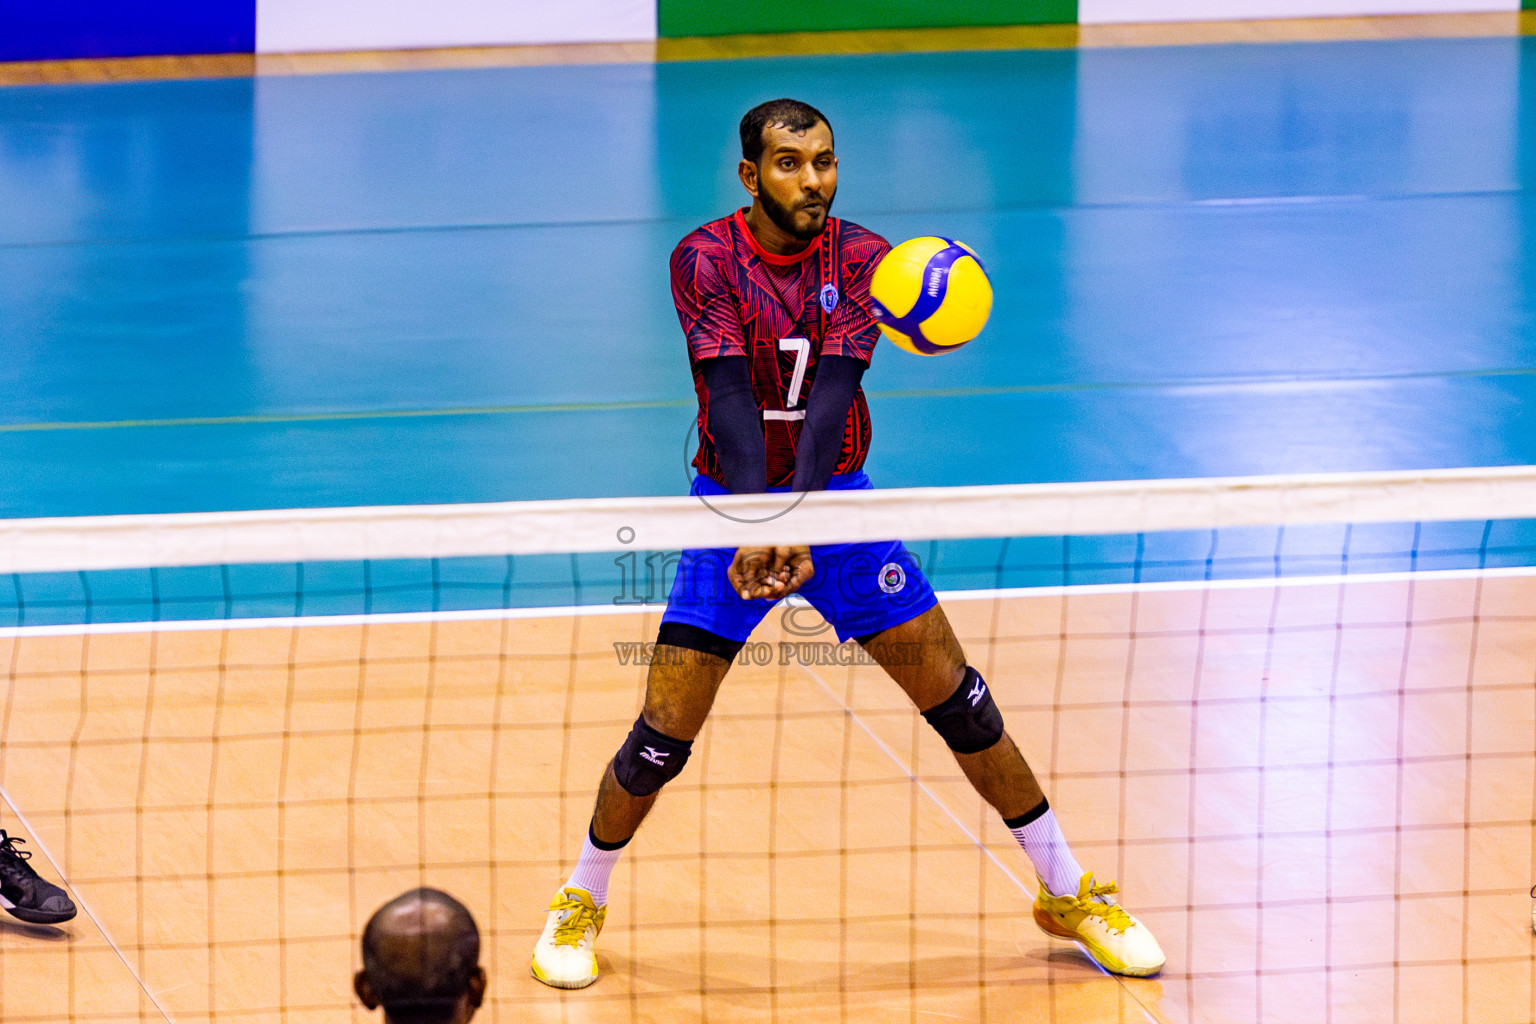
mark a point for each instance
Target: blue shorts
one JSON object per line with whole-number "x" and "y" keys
{"x": 858, "y": 588}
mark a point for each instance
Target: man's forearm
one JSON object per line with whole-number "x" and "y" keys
{"x": 826, "y": 415}
{"x": 736, "y": 424}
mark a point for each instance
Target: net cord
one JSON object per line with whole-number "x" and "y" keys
{"x": 824, "y": 517}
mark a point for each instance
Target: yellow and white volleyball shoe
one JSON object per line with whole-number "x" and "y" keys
{"x": 563, "y": 956}
{"x": 1105, "y": 931}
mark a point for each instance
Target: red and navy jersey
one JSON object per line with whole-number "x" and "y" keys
{"x": 783, "y": 313}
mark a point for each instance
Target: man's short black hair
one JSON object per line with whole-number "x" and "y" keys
{"x": 422, "y": 983}
{"x": 787, "y": 113}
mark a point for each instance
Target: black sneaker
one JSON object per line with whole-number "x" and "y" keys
{"x": 24, "y": 893}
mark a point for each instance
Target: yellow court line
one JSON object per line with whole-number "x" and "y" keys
{"x": 320, "y": 417}
{"x": 921, "y": 40}
{"x": 1214, "y": 384}
{"x": 935, "y": 40}
{"x": 1000, "y": 390}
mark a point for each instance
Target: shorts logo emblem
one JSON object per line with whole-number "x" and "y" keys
{"x": 892, "y": 578}
{"x": 656, "y": 757}
{"x": 829, "y": 297}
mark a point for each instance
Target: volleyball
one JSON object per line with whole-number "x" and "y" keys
{"x": 931, "y": 295}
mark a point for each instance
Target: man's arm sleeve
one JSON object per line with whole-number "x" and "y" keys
{"x": 826, "y": 415}
{"x": 705, "y": 308}
{"x": 736, "y": 424}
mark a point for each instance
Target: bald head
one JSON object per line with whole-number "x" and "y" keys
{"x": 421, "y": 960}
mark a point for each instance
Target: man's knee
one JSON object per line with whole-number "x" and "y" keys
{"x": 969, "y": 720}
{"x": 649, "y": 759}
{"x": 694, "y": 638}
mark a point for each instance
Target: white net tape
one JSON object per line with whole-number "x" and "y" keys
{"x": 825, "y": 517}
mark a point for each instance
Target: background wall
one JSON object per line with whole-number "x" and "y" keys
{"x": 712, "y": 18}
{"x": 286, "y": 26}
{"x": 51, "y": 29}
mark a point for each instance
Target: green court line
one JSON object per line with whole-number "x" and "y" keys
{"x": 685, "y": 403}
{"x": 322, "y": 417}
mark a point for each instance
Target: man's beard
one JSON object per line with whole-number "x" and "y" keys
{"x": 784, "y": 217}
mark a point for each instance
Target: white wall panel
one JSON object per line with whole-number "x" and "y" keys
{"x": 289, "y": 26}
{"x": 1098, "y": 12}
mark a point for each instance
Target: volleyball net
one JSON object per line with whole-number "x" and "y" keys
{"x": 1292, "y": 716}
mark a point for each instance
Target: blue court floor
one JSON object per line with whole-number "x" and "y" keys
{"x": 451, "y": 286}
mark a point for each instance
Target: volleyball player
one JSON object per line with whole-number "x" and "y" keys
{"x": 774, "y": 303}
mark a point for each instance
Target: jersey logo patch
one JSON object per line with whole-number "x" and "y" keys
{"x": 892, "y": 578}
{"x": 829, "y": 297}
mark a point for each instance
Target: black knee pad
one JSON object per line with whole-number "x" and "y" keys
{"x": 680, "y": 634}
{"x": 649, "y": 760}
{"x": 969, "y": 720}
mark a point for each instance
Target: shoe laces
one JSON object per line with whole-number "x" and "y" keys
{"x": 1113, "y": 914}
{"x": 579, "y": 916}
{"x": 9, "y": 853}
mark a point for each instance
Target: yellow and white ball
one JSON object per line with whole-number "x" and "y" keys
{"x": 931, "y": 295}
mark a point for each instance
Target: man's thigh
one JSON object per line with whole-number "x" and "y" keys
{"x": 680, "y": 689}
{"x": 922, "y": 655}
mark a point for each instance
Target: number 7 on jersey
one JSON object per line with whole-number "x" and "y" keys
{"x": 801, "y": 347}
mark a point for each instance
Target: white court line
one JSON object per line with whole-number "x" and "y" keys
{"x": 906, "y": 770}
{"x": 368, "y": 619}
{"x": 964, "y": 830}
{"x": 58, "y": 870}
{"x": 566, "y": 611}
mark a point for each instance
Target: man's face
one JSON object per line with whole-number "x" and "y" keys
{"x": 796, "y": 178}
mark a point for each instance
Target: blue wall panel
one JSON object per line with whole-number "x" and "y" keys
{"x": 55, "y": 29}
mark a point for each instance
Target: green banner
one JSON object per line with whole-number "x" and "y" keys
{"x": 677, "y": 18}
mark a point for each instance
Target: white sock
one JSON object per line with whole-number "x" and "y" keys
{"x": 593, "y": 868}
{"x": 1048, "y": 851}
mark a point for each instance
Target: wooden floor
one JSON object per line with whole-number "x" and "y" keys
{"x": 1321, "y": 798}
{"x": 1021, "y": 37}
